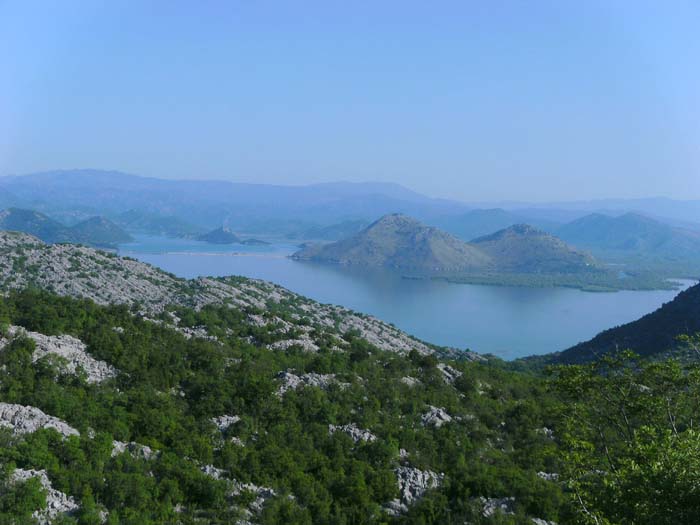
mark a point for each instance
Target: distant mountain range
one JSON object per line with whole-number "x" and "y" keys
{"x": 398, "y": 241}
{"x": 631, "y": 233}
{"x": 651, "y": 235}
{"x": 95, "y": 231}
{"x": 208, "y": 204}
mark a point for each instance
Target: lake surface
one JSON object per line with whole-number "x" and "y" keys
{"x": 507, "y": 321}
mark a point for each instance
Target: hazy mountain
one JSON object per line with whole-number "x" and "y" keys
{"x": 96, "y": 231}
{"x": 522, "y": 248}
{"x": 398, "y": 241}
{"x": 477, "y": 223}
{"x": 34, "y": 223}
{"x": 653, "y": 334}
{"x": 333, "y": 232}
{"x": 631, "y": 233}
{"x": 211, "y": 203}
{"x": 402, "y": 242}
{"x": 143, "y": 222}
{"x": 220, "y": 235}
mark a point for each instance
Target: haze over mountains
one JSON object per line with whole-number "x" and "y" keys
{"x": 656, "y": 233}
{"x": 95, "y": 231}
{"x": 398, "y": 241}
{"x": 294, "y": 209}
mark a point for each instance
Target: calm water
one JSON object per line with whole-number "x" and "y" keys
{"x": 507, "y": 321}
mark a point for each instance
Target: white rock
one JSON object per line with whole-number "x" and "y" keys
{"x": 435, "y": 417}
{"x": 548, "y": 476}
{"x": 306, "y": 344}
{"x": 56, "y": 502}
{"x": 291, "y": 381}
{"x": 414, "y": 482}
{"x": 492, "y": 505}
{"x": 355, "y": 433}
{"x": 410, "y": 381}
{"x": 26, "y": 419}
{"x": 69, "y": 348}
{"x": 224, "y": 422}
{"x": 449, "y": 374}
{"x": 137, "y": 450}
{"x": 213, "y": 472}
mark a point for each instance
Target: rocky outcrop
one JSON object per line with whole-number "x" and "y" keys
{"x": 413, "y": 483}
{"x": 435, "y": 417}
{"x": 56, "y": 502}
{"x": 71, "y": 349}
{"x": 410, "y": 381}
{"x": 449, "y": 374}
{"x": 491, "y": 506}
{"x": 136, "y": 450}
{"x": 26, "y": 419}
{"x": 290, "y": 381}
{"x": 224, "y": 422}
{"x": 355, "y": 433}
{"x": 237, "y": 488}
{"x": 306, "y": 344}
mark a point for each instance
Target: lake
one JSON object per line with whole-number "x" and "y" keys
{"x": 507, "y": 321}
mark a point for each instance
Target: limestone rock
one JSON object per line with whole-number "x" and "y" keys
{"x": 355, "y": 433}
{"x": 26, "y": 419}
{"x": 224, "y": 422}
{"x": 449, "y": 374}
{"x": 291, "y": 381}
{"x": 68, "y": 347}
{"x": 137, "y": 450}
{"x": 56, "y": 502}
{"x": 491, "y": 506}
{"x": 435, "y": 417}
{"x": 414, "y": 482}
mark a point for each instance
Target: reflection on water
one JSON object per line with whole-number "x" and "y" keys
{"x": 507, "y": 321}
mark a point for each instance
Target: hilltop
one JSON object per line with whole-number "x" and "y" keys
{"x": 95, "y": 231}
{"x": 522, "y": 248}
{"x": 401, "y": 242}
{"x": 220, "y": 235}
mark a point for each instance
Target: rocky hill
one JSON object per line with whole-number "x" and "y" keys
{"x": 98, "y": 231}
{"x": 220, "y": 235}
{"x": 522, "y": 248}
{"x": 398, "y": 241}
{"x": 94, "y": 231}
{"x": 481, "y": 222}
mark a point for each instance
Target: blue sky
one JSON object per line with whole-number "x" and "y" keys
{"x": 472, "y": 100}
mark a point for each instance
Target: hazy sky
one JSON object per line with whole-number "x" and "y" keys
{"x": 473, "y": 100}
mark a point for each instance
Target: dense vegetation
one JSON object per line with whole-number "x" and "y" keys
{"x": 170, "y": 386}
{"x": 618, "y": 433}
